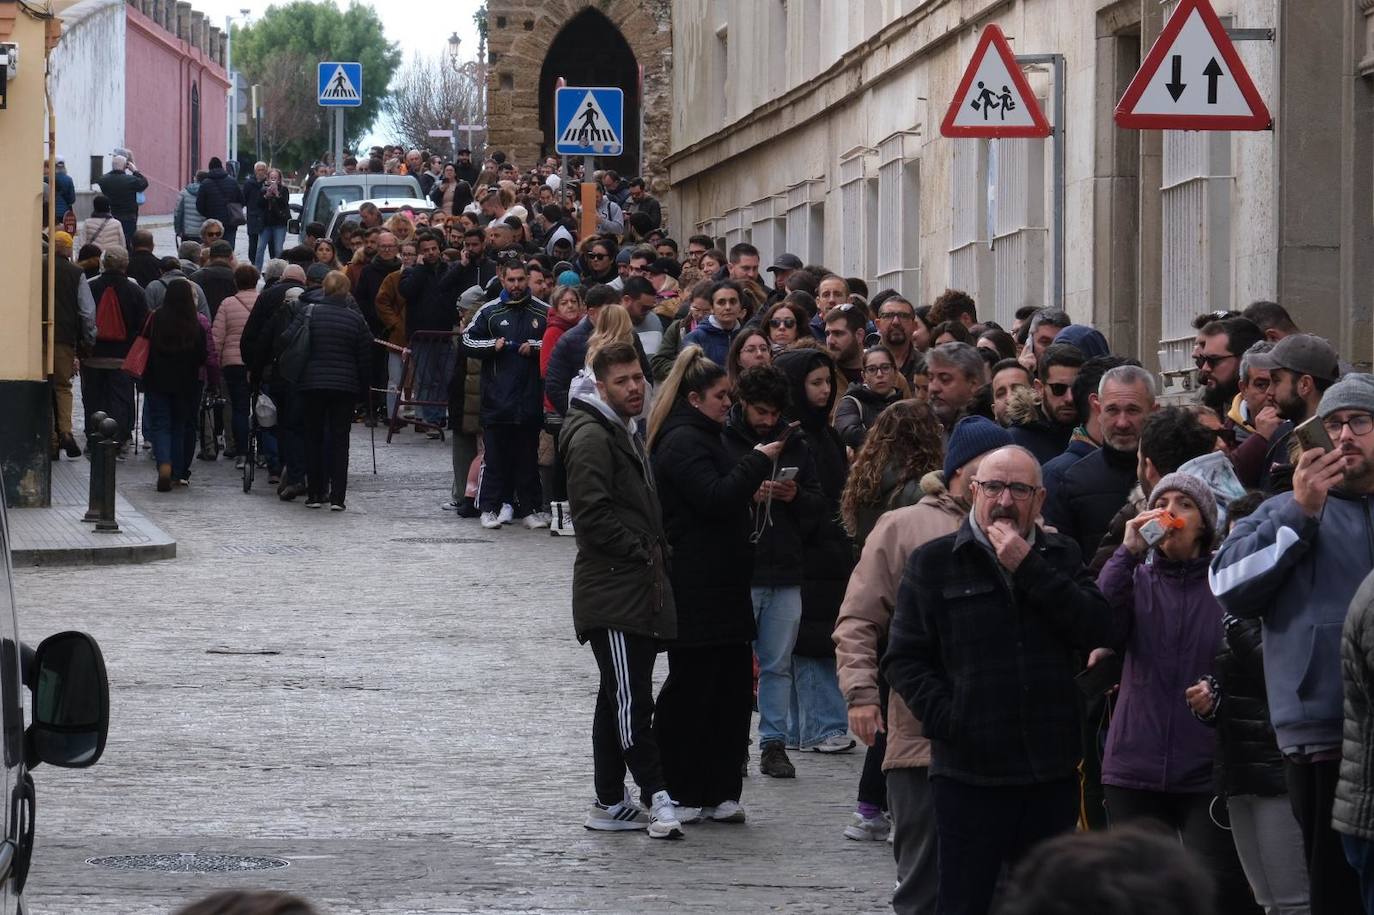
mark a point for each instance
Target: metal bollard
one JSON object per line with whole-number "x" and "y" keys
{"x": 97, "y": 455}
{"x": 106, "y": 523}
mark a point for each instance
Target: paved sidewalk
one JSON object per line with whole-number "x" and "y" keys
{"x": 57, "y": 536}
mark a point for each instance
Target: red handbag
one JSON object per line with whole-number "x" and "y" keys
{"x": 136, "y": 361}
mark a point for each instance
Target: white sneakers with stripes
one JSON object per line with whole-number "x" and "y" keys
{"x": 626, "y": 815}
{"x": 663, "y": 817}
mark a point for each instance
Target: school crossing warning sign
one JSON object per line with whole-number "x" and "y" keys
{"x": 1193, "y": 79}
{"x": 590, "y": 122}
{"x": 993, "y": 99}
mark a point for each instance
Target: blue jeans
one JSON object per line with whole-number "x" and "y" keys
{"x": 817, "y": 709}
{"x": 1360, "y": 853}
{"x": 777, "y": 611}
{"x": 169, "y": 416}
{"x": 271, "y": 243}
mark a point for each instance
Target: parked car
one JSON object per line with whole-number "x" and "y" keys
{"x": 329, "y": 193}
{"x": 387, "y": 205}
{"x": 69, "y": 713}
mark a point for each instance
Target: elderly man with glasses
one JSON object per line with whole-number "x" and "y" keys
{"x": 897, "y": 328}
{"x": 983, "y": 649}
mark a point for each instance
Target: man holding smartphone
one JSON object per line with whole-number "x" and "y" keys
{"x": 1295, "y": 564}
{"x": 1301, "y": 368}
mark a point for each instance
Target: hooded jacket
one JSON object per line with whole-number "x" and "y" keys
{"x": 216, "y": 192}
{"x": 713, "y": 339}
{"x": 620, "y": 576}
{"x": 1172, "y": 632}
{"x": 569, "y": 357}
{"x": 1298, "y": 574}
{"x": 186, "y": 219}
{"x": 706, "y": 497}
{"x": 512, "y": 391}
{"x": 858, "y": 411}
{"x": 861, "y": 631}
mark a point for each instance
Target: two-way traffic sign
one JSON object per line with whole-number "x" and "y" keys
{"x": 994, "y": 99}
{"x": 340, "y": 84}
{"x": 589, "y": 122}
{"x": 1193, "y": 79}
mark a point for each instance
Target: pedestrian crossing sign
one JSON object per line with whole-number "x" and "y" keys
{"x": 340, "y": 84}
{"x": 589, "y": 122}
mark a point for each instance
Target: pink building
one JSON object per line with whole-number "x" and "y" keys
{"x": 144, "y": 75}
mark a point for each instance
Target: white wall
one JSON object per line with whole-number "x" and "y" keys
{"x": 87, "y": 85}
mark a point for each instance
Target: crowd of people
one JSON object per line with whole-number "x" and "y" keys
{"x": 1041, "y": 598}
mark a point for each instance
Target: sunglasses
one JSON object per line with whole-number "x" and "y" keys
{"x": 1059, "y": 389}
{"x": 1210, "y": 361}
{"x": 788, "y": 323}
{"x": 896, "y": 316}
{"x": 214, "y": 234}
{"x": 598, "y": 257}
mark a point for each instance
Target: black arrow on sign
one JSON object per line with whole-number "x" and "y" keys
{"x": 1177, "y": 86}
{"x": 1213, "y": 73}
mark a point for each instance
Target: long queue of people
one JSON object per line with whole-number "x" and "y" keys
{"x": 1040, "y": 598}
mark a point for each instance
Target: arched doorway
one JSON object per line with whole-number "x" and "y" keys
{"x": 590, "y": 51}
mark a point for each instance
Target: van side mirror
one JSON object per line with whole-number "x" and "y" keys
{"x": 293, "y": 226}
{"x": 71, "y": 702}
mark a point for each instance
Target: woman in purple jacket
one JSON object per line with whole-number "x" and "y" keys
{"x": 1158, "y": 759}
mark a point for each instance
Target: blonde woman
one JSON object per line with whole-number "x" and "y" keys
{"x": 613, "y": 325}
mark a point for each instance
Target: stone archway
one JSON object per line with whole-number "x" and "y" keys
{"x": 524, "y": 36}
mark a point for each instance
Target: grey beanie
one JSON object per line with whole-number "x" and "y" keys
{"x": 1353, "y": 392}
{"x": 1201, "y": 494}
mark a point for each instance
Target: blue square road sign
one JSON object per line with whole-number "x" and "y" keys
{"x": 340, "y": 84}
{"x": 589, "y": 121}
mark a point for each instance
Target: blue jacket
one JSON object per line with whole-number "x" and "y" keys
{"x": 1297, "y": 575}
{"x": 512, "y": 391}
{"x": 66, "y": 194}
{"x": 713, "y": 339}
{"x": 1054, "y": 470}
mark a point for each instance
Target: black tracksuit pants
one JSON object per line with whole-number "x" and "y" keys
{"x": 510, "y": 468}
{"x": 703, "y": 721}
{"x": 622, "y": 727}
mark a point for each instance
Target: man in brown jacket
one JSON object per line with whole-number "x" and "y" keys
{"x": 861, "y": 633}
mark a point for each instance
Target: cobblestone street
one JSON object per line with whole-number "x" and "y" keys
{"x": 392, "y": 700}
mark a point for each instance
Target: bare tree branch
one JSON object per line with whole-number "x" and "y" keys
{"x": 429, "y": 94}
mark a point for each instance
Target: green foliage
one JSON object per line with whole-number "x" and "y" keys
{"x": 312, "y": 32}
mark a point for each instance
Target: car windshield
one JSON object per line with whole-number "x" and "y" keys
{"x": 331, "y": 197}
{"x": 392, "y": 190}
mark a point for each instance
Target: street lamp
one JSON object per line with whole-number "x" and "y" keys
{"x": 453, "y": 42}
{"x": 232, "y": 138}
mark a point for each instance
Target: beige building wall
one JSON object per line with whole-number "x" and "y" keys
{"x": 836, "y": 105}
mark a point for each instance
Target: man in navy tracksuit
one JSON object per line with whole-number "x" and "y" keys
{"x": 505, "y": 334}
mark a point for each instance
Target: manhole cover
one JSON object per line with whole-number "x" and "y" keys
{"x": 440, "y": 540}
{"x": 189, "y": 863}
{"x": 267, "y": 549}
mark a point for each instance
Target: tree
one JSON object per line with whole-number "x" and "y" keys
{"x": 431, "y": 93}
{"x": 288, "y": 41}
{"x": 291, "y": 121}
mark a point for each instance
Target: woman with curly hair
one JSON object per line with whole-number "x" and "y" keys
{"x": 904, "y": 445}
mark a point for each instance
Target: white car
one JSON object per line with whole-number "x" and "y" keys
{"x": 389, "y": 206}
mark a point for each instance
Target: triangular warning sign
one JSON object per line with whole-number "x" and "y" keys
{"x": 340, "y": 88}
{"x": 1193, "y": 79}
{"x": 993, "y": 98}
{"x": 591, "y": 128}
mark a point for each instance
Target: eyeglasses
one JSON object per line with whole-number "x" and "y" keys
{"x": 884, "y": 369}
{"x": 895, "y": 316}
{"x": 780, "y": 323}
{"x": 1020, "y": 492}
{"x": 1059, "y": 389}
{"x": 593, "y": 256}
{"x": 1210, "y": 361}
{"x": 755, "y": 350}
{"x": 1359, "y": 424}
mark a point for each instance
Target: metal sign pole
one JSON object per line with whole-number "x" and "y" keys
{"x": 1057, "y": 294}
{"x": 338, "y": 140}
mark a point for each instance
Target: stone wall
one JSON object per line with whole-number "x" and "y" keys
{"x": 519, "y": 37}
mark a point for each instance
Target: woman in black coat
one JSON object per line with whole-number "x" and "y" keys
{"x": 704, "y": 708}
{"x": 820, "y": 719}
{"x": 451, "y": 194}
{"x": 335, "y": 375}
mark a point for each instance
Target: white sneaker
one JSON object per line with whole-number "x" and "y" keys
{"x": 868, "y": 829}
{"x": 838, "y": 743}
{"x": 490, "y": 520}
{"x": 561, "y": 524}
{"x": 507, "y": 514}
{"x": 727, "y": 812}
{"x": 689, "y": 816}
{"x": 536, "y": 521}
{"x": 663, "y": 821}
{"x": 622, "y": 817}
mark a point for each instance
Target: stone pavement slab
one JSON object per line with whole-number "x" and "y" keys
{"x": 57, "y": 536}
{"x": 392, "y": 700}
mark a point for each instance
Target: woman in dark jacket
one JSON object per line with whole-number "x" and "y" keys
{"x": 704, "y": 708}
{"x": 217, "y": 191}
{"x": 451, "y": 194}
{"x": 336, "y": 373}
{"x": 819, "y": 720}
{"x": 177, "y": 351}
{"x": 865, "y": 400}
{"x": 276, "y": 213}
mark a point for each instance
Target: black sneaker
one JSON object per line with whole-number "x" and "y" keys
{"x": 468, "y": 508}
{"x": 774, "y": 763}
{"x": 70, "y": 446}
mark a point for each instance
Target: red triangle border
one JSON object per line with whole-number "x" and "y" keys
{"x": 992, "y": 35}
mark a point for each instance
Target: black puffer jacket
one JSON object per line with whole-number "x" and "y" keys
{"x": 340, "y": 347}
{"x": 858, "y": 411}
{"x": 779, "y": 553}
{"x": 369, "y": 281}
{"x": 1091, "y": 492}
{"x": 829, "y": 552}
{"x": 1248, "y": 757}
{"x": 217, "y": 191}
{"x": 706, "y": 497}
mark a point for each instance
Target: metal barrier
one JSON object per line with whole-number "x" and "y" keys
{"x": 428, "y": 362}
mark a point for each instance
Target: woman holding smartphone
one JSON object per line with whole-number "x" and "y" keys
{"x": 276, "y": 213}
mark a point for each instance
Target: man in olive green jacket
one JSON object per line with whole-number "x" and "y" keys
{"x": 622, "y": 601}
